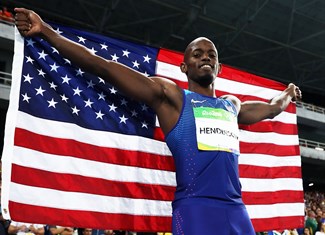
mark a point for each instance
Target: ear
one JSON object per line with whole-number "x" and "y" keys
{"x": 183, "y": 67}
{"x": 219, "y": 68}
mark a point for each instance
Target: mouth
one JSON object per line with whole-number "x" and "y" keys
{"x": 206, "y": 66}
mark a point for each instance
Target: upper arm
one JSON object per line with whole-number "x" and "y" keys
{"x": 255, "y": 111}
{"x": 250, "y": 112}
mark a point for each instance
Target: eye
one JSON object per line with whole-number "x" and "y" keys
{"x": 213, "y": 55}
{"x": 196, "y": 54}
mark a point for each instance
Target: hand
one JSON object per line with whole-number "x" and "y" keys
{"x": 295, "y": 92}
{"x": 28, "y": 22}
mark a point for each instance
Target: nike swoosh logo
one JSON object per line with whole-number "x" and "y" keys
{"x": 197, "y": 101}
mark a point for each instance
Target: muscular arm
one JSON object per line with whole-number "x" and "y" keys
{"x": 254, "y": 111}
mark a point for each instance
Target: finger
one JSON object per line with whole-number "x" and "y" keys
{"x": 23, "y": 28}
{"x": 20, "y": 16}
{"x": 22, "y": 24}
{"x": 21, "y": 10}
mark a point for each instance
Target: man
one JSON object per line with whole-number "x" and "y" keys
{"x": 20, "y": 228}
{"x": 201, "y": 130}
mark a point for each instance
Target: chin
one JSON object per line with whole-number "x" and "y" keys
{"x": 206, "y": 80}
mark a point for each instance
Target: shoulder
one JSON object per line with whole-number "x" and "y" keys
{"x": 234, "y": 100}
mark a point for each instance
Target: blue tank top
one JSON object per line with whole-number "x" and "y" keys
{"x": 203, "y": 176}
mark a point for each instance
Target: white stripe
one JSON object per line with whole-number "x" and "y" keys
{"x": 275, "y": 210}
{"x": 66, "y": 164}
{"x": 103, "y": 138}
{"x": 269, "y": 160}
{"x": 270, "y": 185}
{"x": 170, "y": 71}
{"x": 174, "y": 72}
{"x": 284, "y": 117}
{"x": 10, "y": 125}
{"x": 268, "y": 137}
{"x": 88, "y": 202}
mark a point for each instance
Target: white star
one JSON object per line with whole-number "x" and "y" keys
{"x": 67, "y": 61}
{"x": 75, "y": 110}
{"x": 126, "y": 53}
{"x": 55, "y": 50}
{"x": 101, "y": 96}
{"x": 104, "y": 47}
{"x": 54, "y": 67}
{"x": 90, "y": 84}
{"x": 144, "y": 107}
{"x": 40, "y": 72}
{"x": 146, "y": 74}
{"x": 77, "y": 91}
{"x": 29, "y": 59}
{"x": 64, "y": 98}
{"x": 101, "y": 80}
{"x": 112, "y": 107}
{"x": 58, "y": 31}
{"x": 40, "y": 91}
{"x": 28, "y": 78}
{"x": 42, "y": 55}
{"x": 81, "y": 39}
{"x": 115, "y": 57}
{"x": 26, "y": 97}
{"x": 30, "y": 42}
{"x": 123, "y": 119}
{"x": 144, "y": 125}
{"x": 146, "y": 59}
{"x": 135, "y": 64}
{"x": 52, "y": 103}
{"x": 88, "y": 103}
{"x": 66, "y": 79}
{"x": 134, "y": 113}
{"x": 113, "y": 90}
{"x": 52, "y": 85}
{"x": 99, "y": 115}
{"x": 92, "y": 51}
{"x": 124, "y": 102}
{"x": 79, "y": 72}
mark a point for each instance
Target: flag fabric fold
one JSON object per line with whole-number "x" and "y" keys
{"x": 79, "y": 153}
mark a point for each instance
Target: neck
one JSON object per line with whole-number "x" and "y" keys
{"x": 207, "y": 91}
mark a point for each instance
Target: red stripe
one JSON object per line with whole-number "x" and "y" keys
{"x": 170, "y": 57}
{"x": 72, "y": 183}
{"x": 68, "y": 147}
{"x": 237, "y": 75}
{"x": 260, "y": 172}
{"x": 264, "y": 198}
{"x": 275, "y": 223}
{"x": 271, "y": 126}
{"x": 86, "y": 219}
{"x": 269, "y": 149}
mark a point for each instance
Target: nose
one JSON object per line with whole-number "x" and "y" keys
{"x": 206, "y": 57}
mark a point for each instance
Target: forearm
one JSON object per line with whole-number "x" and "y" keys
{"x": 70, "y": 50}
{"x": 280, "y": 102}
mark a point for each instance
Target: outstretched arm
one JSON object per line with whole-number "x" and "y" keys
{"x": 160, "y": 94}
{"x": 255, "y": 111}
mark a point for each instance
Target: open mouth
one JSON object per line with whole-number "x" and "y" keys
{"x": 206, "y": 66}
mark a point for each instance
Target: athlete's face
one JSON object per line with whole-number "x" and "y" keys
{"x": 201, "y": 63}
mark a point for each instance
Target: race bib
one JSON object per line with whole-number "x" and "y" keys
{"x": 216, "y": 129}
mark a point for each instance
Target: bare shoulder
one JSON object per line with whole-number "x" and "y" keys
{"x": 234, "y": 100}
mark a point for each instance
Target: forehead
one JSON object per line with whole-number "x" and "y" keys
{"x": 201, "y": 44}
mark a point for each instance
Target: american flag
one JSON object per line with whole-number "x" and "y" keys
{"x": 79, "y": 153}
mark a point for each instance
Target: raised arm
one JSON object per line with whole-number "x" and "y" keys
{"x": 161, "y": 94}
{"x": 254, "y": 111}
